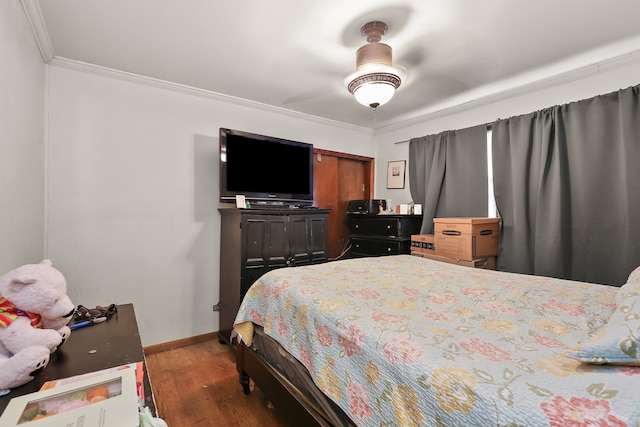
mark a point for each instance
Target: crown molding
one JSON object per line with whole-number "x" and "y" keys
{"x": 39, "y": 28}
{"x": 519, "y": 85}
{"x": 627, "y": 54}
{"x": 193, "y": 91}
{"x": 508, "y": 88}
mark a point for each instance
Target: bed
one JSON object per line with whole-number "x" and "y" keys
{"x": 407, "y": 341}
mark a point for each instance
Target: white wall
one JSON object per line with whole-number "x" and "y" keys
{"x": 130, "y": 174}
{"x": 580, "y": 86}
{"x": 133, "y": 191}
{"x": 22, "y": 80}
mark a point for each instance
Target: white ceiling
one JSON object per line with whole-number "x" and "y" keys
{"x": 296, "y": 54}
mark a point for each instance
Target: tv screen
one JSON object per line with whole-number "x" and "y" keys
{"x": 264, "y": 169}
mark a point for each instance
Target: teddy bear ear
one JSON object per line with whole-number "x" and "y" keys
{"x": 22, "y": 281}
{"x": 17, "y": 284}
{"x": 46, "y": 262}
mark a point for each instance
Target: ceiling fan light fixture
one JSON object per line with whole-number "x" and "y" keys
{"x": 374, "y": 89}
{"x": 375, "y": 81}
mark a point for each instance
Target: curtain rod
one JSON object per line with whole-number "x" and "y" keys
{"x": 488, "y": 125}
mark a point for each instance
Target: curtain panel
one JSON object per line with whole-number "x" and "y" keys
{"x": 567, "y": 185}
{"x": 448, "y": 174}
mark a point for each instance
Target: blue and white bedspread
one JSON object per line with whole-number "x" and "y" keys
{"x": 406, "y": 341}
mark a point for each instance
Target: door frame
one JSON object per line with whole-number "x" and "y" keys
{"x": 337, "y": 219}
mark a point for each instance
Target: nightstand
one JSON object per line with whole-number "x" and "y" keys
{"x": 382, "y": 234}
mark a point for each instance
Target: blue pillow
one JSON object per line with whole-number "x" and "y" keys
{"x": 618, "y": 342}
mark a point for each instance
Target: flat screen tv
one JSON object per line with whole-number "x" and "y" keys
{"x": 267, "y": 171}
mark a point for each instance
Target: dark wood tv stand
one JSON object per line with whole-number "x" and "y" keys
{"x": 255, "y": 241}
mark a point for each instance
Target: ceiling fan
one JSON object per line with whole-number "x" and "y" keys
{"x": 375, "y": 80}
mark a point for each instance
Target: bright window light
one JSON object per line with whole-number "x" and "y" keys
{"x": 493, "y": 209}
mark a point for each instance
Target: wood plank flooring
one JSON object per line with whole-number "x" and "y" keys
{"x": 197, "y": 385}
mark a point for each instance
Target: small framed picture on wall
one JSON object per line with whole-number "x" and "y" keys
{"x": 395, "y": 174}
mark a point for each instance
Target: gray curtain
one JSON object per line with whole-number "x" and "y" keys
{"x": 567, "y": 185}
{"x": 448, "y": 174}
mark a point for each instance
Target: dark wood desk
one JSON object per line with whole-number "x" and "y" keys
{"x": 116, "y": 342}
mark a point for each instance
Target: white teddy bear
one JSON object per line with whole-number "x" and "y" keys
{"x": 34, "y": 312}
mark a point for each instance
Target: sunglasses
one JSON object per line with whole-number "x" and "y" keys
{"x": 83, "y": 313}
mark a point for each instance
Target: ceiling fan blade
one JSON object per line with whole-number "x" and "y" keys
{"x": 313, "y": 94}
{"x": 411, "y": 58}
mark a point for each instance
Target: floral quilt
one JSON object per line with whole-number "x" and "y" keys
{"x": 406, "y": 341}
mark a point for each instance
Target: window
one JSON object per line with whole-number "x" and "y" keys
{"x": 491, "y": 203}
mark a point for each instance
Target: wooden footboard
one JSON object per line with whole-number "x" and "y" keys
{"x": 287, "y": 399}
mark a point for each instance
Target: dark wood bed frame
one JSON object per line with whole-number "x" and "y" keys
{"x": 288, "y": 400}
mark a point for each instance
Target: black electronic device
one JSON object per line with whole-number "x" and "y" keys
{"x": 267, "y": 171}
{"x": 370, "y": 206}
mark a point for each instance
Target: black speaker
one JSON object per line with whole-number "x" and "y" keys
{"x": 370, "y": 206}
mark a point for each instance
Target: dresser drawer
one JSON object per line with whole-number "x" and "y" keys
{"x": 376, "y": 247}
{"x": 384, "y": 226}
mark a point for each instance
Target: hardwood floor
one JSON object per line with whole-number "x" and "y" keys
{"x": 197, "y": 385}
